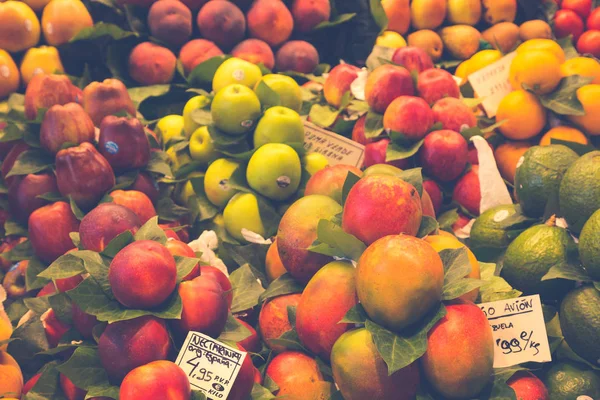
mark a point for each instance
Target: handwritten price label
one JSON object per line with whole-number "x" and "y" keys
{"x": 336, "y": 148}
{"x": 492, "y": 83}
{"x": 519, "y": 331}
{"x": 210, "y": 365}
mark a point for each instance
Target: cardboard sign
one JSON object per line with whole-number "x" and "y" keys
{"x": 492, "y": 83}
{"x": 210, "y": 365}
{"x": 337, "y": 149}
{"x": 519, "y": 331}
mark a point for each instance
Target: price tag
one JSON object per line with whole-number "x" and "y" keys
{"x": 337, "y": 149}
{"x": 210, "y": 365}
{"x": 519, "y": 331}
{"x": 492, "y": 83}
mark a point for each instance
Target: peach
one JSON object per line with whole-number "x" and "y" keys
{"x": 177, "y": 248}
{"x": 215, "y": 273}
{"x": 69, "y": 389}
{"x": 338, "y": 83}
{"x": 410, "y": 116}
{"x": 444, "y": 155}
{"x": 255, "y": 51}
{"x": 385, "y": 84}
{"x": 104, "y": 98}
{"x": 143, "y": 274}
{"x": 156, "y": 380}
{"x": 196, "y": 51}
{"x": 83, "y": 174}
{"x": 467, "y": 191}
{"x": 204, "y": 308}
{"x": 62, "y": 20}
{"x": 126, "y": 345}
{"x": 104, "y": 223}
{"x": 136, "y": 201}
{"x": 375, "y": 153}
{"x": 454, "y": 114}
{"x": 434, "y": 84}
{"x": 381, "y": 205}
{"x": 330, "y": 181}
{"x": 413, "y": 59}
{"x": 527, "y": 386}
{"x": 23, "y": 193}
{"x": 244, "y": 382}
{"x": 273, "y": 266}
{"x": 251, "y": 343}
{"x": 65, "y": 124}
{"x": 49, "y": 229}
{"x": 83, "y": 322}
{"x": 297, "y": 232}
{"x": 323, "y": 303}
{"x": 44, "y": 91}
{"x": 427, "y": 205}
{"x": 151, "y": 64}
{"x": 146, "y": 184}
{"x": 297, "y": 56}
{"x": 12, "y": 377}
{"x": 14, "y": 280}
{"x": 298, "y": 376}
{"x": 435, "y": 194}
{"x": 20, "y": 28}
{"x": 123, "y": 142}
{"x": 459, "y": 374}
{"x": 40, "y": 60}
{"x": 310, "y": 13}
{"x": 170, "y": 21}
{"x": 270, "y": 21}
{"x": 222, "y": 22}
{"x": 273, "y": 319}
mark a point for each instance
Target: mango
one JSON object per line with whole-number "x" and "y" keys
{"x": 429, "y": 41}
{"x": 427, "y": 14}
{"x": 495, "y": 11}
{"x": 298, "y": 377}
{"x": 360, "y": 372}
{"x": 273, "y": 320}
{"x": 19, "y": 27}
{"x": 461, "y": 41}
{"x": 503, "y": 36}
{"x": 63, "y": 19}
{"x": 43, "y": 59}
{"x": 9, "y": 75}
{"x": 324, "y": 302}
{"x": 464, "y": 11}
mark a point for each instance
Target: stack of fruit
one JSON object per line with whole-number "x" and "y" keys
{"x": 576, "y": 19}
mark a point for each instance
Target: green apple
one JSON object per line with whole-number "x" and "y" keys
{"x": 235, "y": 109}
{"x": 383, "y": 169}
{"x": 314, "y": 162}
{"x": 279, "y": 125}
{"x": 236, "y": 70}
{"x": 169, "y": 127}
{"x": 187, "y": 190}
{"x": 193, "y": 104}
{"x": 178, "y": 158}
{"x": 290, "y": 94}
{"x": 202, "y": 147}
{"x": 242, "y": 212}
{"x": 274, "y": 170}
{"x": 216, "y": 181}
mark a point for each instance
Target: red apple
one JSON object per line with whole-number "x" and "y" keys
{"x": 411, "y": 116}
{"x": 435, "y": 84}
{"x": 338, "y": 83}
{"x": 568, "y": 22}
{"x": 104, "y": 223}
{"x": 64, "y": 125}
{"x": 386, "y": 83}
{"x": 49, "y": 229}
{"x": 104, "y": 98}
{"x": 23, "y": 193}
{"x": 46, "y": 90}
{"x": 413, "y": 59}
{"x": 583, "y": 8}
{"x": 375, "y": 153}
{"x": 444, "y": 155}
{"x": 467, "y": 191}
{"x": 146, "y": 184}
{"x": 123, "y": 143}
{"x": 136, "y": 201}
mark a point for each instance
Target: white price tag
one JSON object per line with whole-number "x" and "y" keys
{"x": 519, "y": 331}
{"x": 492, "y": 83}
{"x": 210, "y": 365}
{"x": 337, "y": 149}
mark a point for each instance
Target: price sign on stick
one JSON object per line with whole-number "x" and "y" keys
{"x": 337, "y": 149}
{"x": 210, "y": 365}
{"x": 519, "y": 331}
{"x": 492, "y": 83}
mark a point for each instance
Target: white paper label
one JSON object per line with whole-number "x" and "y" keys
{"x": 337, "y": 149}
{"x": 519, "y": 331}
{"x": 210, "y": 365}
{"x": 492, "y": 83}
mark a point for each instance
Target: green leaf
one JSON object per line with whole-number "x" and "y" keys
{"x": 30, "y": 340}
{"x": 84, "y": 368}
{"x": 373, "y": 125}
{"x": 260, "y": 393}
{"x": 563, "y": 100}
{"x": 15, "y": 310}
{"x": 234, "y": 331}
{"x": 198, "y": 395}
{"x": 75, "y": 209}
{"x": 185, "y": 265}
{"x": 202, "y": 117}
{"x": 47, "y": 386}
{"x": 494, "y": 287}
{"x": 283, "y": 285}
{"x": 30, "y": 162}
{"x": 323, "y": 115}
{"x": 569, "y": 271}
{"x": 428, "y": 226}
{"x": 414, "y": 177}
{"x": 96, "y": 267}
{"x": 10, "y": 133}
{"x": 289, "y": 340}
{"x": 103, "y": 390}
{"x": 158, "y": 164}
{"x": 252, "y": 254}
{"x": 447, "y": 219}
{"x": 51, "y": 197}
{"x": 169, "y": 211}
{"x": 401, "y": 350}
{"x": 567, "y": 45}
{"x": 457, "y": 266}
{"x": 246, "y": 289}
{"x": 397, "y": 151}
{"x": 22, "y": 251}
{"x": 338, "y": 20}
{"x": 140, "y": 94}
{"x": 203, "y": 73}
{"x": 268, "y": 97}
{"x": 578, "y": 148}
{"x": 349, "y": 183}
{"x": 32, "y": 281}
{"x": 75, "y": 238}
{"x": 151, "y": 231}
{"x": 101, "y": 29}
{"x": 378, "y": 14}
{"x": 14, "y": 228}
{"x": 333, "y": 241}
{"x": 356, "y": 315}
{"x": 62, "y": 306}
{"x": 117, "y": 244}
{"x": 38, "y": 305}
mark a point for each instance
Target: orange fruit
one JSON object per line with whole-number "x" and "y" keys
{"x": 63, "y": 19}
{"x": 9, "y": 75}
{"x": 589, "y": 96}
{"x": 507, "y": 158}
{"x": 564, "y": 133}
{"x": 543, "y": 44}
{"x": 19, "y": 27}
{"x": 524, "y": 114}
{"x": 583, "y": 66}
{"x": 537, "y": 69}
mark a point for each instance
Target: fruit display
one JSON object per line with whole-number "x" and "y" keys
{"x": 178, "y": 168}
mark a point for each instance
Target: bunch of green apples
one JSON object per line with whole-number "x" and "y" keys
{"x": 248, "y": 122}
